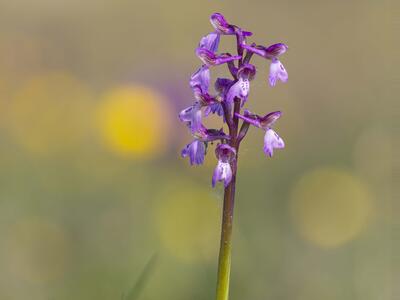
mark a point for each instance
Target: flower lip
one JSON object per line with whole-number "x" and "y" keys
{"x": 272, "y": 141}
{"x": 277, "y": 72}
{"x": 247, "y": 71}
{"x": 223, "y": 172}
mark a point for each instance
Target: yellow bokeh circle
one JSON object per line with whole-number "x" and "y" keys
{"x": 188, "y": 221}
{"x": 134, "y": 121}
{"x": 330, "y": 206}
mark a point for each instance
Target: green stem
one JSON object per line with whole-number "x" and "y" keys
{"x": 225, "y": 250}
{"x": 224, "y": 263}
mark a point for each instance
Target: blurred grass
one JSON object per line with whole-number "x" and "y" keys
{"x": 143, "y": 278}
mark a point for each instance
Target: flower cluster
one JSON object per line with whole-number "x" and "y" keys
{"x": 228, "y": 98}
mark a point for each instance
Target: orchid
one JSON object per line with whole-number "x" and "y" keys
{"x": 223, "y": 172}
{"x": 226, "y": 101}
{"x": 277, "y": 71}
{"x": 271, "y": 139}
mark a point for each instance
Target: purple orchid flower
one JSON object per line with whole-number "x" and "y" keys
{"x": 196, "y": 151}
{"x": 277, "y": 71}
{"x": 271, "y": 139}
{"x": 192, "y": 117}
{"x": 223, "y": 27}
{"x": 223, "y": 172}
{"x": 241, "y": 88}
{"x": 199, "y": 82}
{"x": 221, "y": 86}
{"x": 207, "y": 49}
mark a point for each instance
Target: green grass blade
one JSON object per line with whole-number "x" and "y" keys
{"x": 135, "y": 291}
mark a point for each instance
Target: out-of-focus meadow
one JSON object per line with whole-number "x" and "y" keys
{"x": 91, "y": 180}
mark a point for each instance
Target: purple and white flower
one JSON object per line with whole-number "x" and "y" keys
{"x": 271, "y": 139}
{"x": 223, "y": 172}
{"x": 200, "y": 80}
{"x": 241, "y": 88}
{"x": 192, "y": 117}
{"x": 277, "y": 71}
{"x": 196, "y": 151}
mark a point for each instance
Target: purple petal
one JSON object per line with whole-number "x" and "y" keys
{"x": 269, "y": 119}
{"x": 196, "y": 151}
{"x": 277, "y": 72}
{"x": 214, "y": 108}
{"x": 201, "y": 79}
{"x": 193, "y": 116}
{"x": 210, "y": 42}
{"x": 220, "y": 24}
{"x": 222, "y": 85}
{"x": 272, "y": 141}
{"x": 247, "y": 71}
{"x": 186, "y": 114}
{"x": 196, "y": 118}
{"x": 275, "y": 50}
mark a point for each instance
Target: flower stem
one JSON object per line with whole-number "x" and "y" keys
{"x": 224, "y": 263}
{"x": 225, "y": 250}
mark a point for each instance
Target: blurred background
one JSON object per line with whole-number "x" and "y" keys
{"x": 93, "y": 188}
